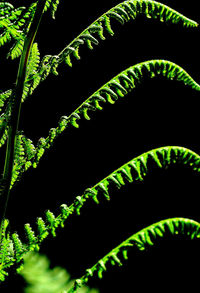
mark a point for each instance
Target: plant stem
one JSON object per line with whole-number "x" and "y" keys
{"x": 16, "y": 107}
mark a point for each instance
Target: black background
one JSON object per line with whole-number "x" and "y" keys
{"x": 158, "y": 113}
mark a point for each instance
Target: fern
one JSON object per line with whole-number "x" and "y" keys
{"x": 141, "y": 240}
{"x": 19, "y": 27}
{"x": 123, "y": 12}
{"x": 15, "y": 24}
{"x": 133, "y": 171}
{"x": 116, "y": 88}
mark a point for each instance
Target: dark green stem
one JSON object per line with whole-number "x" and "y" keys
{"x": 16, "y": 107}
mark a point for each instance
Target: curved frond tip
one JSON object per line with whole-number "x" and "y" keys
{"x": 141, "y": 240}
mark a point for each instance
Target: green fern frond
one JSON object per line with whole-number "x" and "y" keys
{"x": 133, "y": 171}
{"x": 137, "y": 169}
{"x": 117, "y": 87}
{"x": 141, "y": 240}
{"x": 123, "y": 12}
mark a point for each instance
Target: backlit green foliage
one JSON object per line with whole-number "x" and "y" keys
{"x": 15, "y": 24}
{"x": 41, "y": 278}
{"x": 141, "y": 240}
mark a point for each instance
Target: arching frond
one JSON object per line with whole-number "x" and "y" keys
{"x": 116, "y": 88}
{"x": 122, "y": 13}
{"x": 141, "y": 240}
{"x": 133, "y": 171}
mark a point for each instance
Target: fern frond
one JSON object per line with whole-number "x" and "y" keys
{"x": 117, "y": 87}
{"x": 137, "y": 169}
{"x": 122, "y": 13}
{"x": 133, "y": 171}
{"x": 141, "y": 240}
